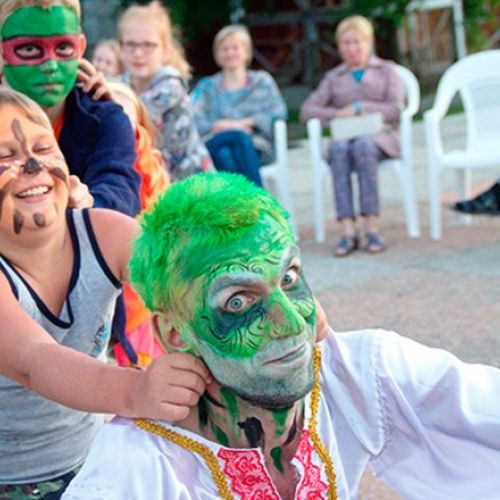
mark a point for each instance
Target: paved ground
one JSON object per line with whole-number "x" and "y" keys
{"x": 445, "y": 293}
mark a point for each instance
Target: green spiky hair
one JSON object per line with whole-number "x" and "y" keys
{"x": 181, "y": 235}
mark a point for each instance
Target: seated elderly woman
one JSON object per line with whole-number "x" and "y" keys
{"x": 362, "y": 84}
{"x": 235, "y": 109}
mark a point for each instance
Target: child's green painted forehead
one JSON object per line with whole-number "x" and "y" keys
{"x": 38, "y": 21}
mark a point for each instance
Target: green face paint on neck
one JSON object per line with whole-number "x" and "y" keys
{"x": 28, "y": 32}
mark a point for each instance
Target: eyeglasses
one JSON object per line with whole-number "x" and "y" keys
{"x": 146, "y": 47}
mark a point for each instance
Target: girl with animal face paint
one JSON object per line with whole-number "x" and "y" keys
{"x": 41, "y": 49}
{"x": 60, "y": 275}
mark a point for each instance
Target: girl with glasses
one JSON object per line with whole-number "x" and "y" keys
{"x": 158, "y": 72}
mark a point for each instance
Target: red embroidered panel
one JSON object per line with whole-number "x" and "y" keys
{"x": 250, "y": 480}
{"x": 248, "y": 476}
{"x": 311, "y": 487}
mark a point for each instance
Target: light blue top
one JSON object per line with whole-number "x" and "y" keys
{"x": 259, "y": 99}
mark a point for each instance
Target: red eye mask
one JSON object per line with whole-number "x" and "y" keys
{"x": 36, "y": 50}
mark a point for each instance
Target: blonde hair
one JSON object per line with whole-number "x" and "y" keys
{"x": 142, "y": 114}
{"x": 29, "y": 108}
{"x": 358, "y": 23}
{"x": 240, "y": 32}
{"x": 7, "y": 7}
{"x": 158, "y": 16}
{"x": 114, "y": 46}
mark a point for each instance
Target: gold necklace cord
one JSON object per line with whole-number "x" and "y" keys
{"x": 318, "y": 445}
{"x": 191, "y": 445}
{"x": 211, "y": 460}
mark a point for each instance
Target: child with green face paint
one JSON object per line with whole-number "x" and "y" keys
{"x": 284, "y": 418}
{"x": 60, "y": 273}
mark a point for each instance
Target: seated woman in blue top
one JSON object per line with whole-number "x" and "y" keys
{"x": 235, "y": 109}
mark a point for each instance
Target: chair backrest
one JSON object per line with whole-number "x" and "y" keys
{"x": 412, "y": 93}
{"x": 476, "y": 78}
{"x": 412, "y": 89}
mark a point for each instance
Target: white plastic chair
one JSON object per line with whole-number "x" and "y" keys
{"x": 403, "y": 165}
{"x": 275, "y": 175}
{"x": 476, "y": 78}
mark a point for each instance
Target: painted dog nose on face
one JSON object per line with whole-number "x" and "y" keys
{"x": 31, "y": 167}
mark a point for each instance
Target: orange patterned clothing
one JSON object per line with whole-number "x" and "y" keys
{"x": 154, "y": 180}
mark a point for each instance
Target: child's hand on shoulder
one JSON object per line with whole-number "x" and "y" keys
{"x": 170, "y": 387}
{"x": 79, "y": 194}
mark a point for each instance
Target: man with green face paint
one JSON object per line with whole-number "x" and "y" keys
{"x": 285, "y": 417}
{"x": 41, "y": 48}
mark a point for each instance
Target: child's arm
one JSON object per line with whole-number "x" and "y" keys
{"x": 30, "y": 356}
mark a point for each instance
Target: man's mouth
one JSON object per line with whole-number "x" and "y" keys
{"x": 33, "y": 191}
{"x": 295, "y": 353}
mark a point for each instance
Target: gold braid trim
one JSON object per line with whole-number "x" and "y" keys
{"x": 318, "y": 446}
{"x": 212, "y": 462}
{"x": 194, "y": 446}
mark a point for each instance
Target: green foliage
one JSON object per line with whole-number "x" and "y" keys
{"x": 477, "y": 12}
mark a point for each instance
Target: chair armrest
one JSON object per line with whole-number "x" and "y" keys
{"x": 280, "y": 141}
{"x": 405, "y": 132}
{"x": 432, "y": 118}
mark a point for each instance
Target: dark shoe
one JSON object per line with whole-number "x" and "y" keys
{"x": 374, "y": 243}
{"x": 346, "y": 245}
{"x": 487, "y": 203}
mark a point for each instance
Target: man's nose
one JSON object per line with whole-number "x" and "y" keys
{"x": 31, "y": 167}
{"x": 286, "y": 320}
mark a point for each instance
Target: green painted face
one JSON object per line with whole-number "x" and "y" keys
{"x": 41, "y": 50}
{"x": 255, "y": 318}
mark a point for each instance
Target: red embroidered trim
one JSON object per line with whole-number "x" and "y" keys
{"x": 250, "y": 480}
{"x": 248, "y": 476}
{"x": 311, "y": 486}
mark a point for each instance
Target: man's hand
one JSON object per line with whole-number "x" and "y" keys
{"x": 170, "y": 387}
{"x": 321, "y": 322}
{"x": 93, "y": 81}
{"x": 79, "y": 194}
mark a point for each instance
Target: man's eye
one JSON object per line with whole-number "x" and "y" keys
{"x": 29, "y": 51}
{"x": 238, "y": 303}
{"x": 65, "y": 50}
{"x": 290, "y": 278}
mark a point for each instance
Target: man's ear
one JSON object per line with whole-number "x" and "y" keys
{"x": 168, "y": 335}
{"x": 82, "y": 45}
